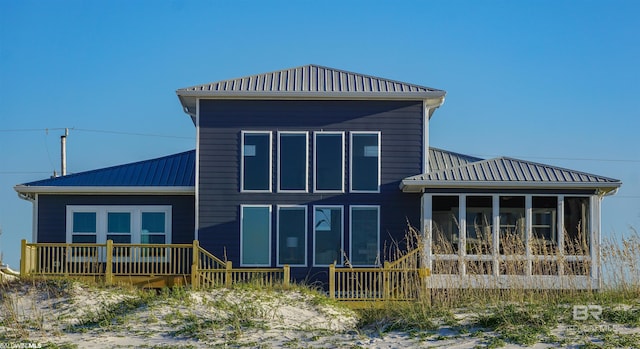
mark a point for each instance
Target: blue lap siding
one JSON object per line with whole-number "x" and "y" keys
{"x": 221, "y": 123}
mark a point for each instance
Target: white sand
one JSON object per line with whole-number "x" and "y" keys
{"x": 215, "y": 318}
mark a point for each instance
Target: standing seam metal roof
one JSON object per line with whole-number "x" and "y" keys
{"x": 177, "y": 170}
{"x": 309, "y": 78}
{"x": 506, "y": 169}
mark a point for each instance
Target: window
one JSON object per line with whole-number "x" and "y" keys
{"x": 292, "y": 161}
{"x": 327, "y": 235}
{"x": 255, "y": 235}
{"x": 329, "y": 162}
{"x": 84, "y": 227}
{"x": 255, "y": 166}
{"x": 121, "y": 224}
{"x": 365, "y": 235}
{"x": 292, "y": 235}
{"x": 365, "y": 162}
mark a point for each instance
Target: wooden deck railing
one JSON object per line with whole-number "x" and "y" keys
{"x": 398, "y": 280}
{"x": 110, "y": 261}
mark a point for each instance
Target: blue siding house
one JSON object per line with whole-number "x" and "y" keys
{"x": 312, "y": 166}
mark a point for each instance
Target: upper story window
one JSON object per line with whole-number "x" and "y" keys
{"x": 329, "y": 162}
{"x": 365, "y": 162}
{"x": 293, "y": 161}
{"x": 255, "y": 167}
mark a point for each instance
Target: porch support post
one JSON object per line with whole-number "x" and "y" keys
{"x": 108, "y": 267}
{"x": 427, "y": 228}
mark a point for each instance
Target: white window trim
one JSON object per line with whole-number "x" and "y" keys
{"x": 302, "y": 244}
{"x": 340, "y": 260}
{"x": 241, "y": 237}
{"x": 315, "y": 167}
{"x": 101, "y": 220}
{"x": 351, "y": 134}
{"x": 377, "y": 207}
{"x": 242, "y": 134}
{"x": 306, "y": 161}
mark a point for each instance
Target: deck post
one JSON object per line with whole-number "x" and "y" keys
{"x": 195, "y": 262}
{"x": 23, "y": 258}
{"x": 108, "y": 268}
{"x": 287, "y": 275}
{"x": 385, "y": 280}
{"x": 227, "y": 274}
{"x": 332, "y": 282}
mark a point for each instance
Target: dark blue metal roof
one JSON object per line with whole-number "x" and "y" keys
{"x": 177, "y": 170}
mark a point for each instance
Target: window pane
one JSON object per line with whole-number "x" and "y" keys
{"x": 152, "y": 239}
{"x": 292, "y": 232}
{"x": 119, "y": 239}
{"x": 256, "y": 227}
{"x": 256, "y": 161}
{"x": 544, "y": 223}
{"x": 84, "y": 222}
{"x": 445, "y": 227}
{"x": 364, "y": 162}
{"x": 364, "y": 236}
{"x": 576, "y": 225}
{"x": 479, "y": 224}
{"x": 81, "y": 239}
{"x": 293, "y": 161}
{"x": 153, "y": 222}
{"x": 119, "y": 222}
{"x": 512, "y": 225}
{"x": 328, "y": 235}
{"x": 329, "y": 165}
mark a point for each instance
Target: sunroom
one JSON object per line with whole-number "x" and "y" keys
{"x": 508, "y": 223}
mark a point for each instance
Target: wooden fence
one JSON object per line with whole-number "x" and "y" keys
{"x": 395, "y": 281}
{"x": 141, "y": 263}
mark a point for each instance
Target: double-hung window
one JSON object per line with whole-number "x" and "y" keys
{"x": 365, "y": 162}
{"x": 328, "y": 162}
{"x": 255, "y": 167}
{"x": 293, "y": 161}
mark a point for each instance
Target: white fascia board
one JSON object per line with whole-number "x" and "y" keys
{"x": 115, "y": 190}
{"x": 419, "y": 95}
{"x": 413, "y": 186}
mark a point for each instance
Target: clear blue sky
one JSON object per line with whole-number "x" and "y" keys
{"x": 556, "y": 82}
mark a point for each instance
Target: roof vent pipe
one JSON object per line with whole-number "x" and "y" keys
{"x": 63, "y": 152}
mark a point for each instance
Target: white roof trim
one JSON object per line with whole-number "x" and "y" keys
{"x": 418, "y": 185}
{"x": 114, "y": 190}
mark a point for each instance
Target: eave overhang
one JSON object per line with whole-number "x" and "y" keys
{"x": 188, "y": 98}
{"x": 25, "y": 191}
{"x": 418, "y": 186}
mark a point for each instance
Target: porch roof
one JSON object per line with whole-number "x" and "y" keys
{"x": 505, "y": 172}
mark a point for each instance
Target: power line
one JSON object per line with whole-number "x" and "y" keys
{"x": 95, "y": 131}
